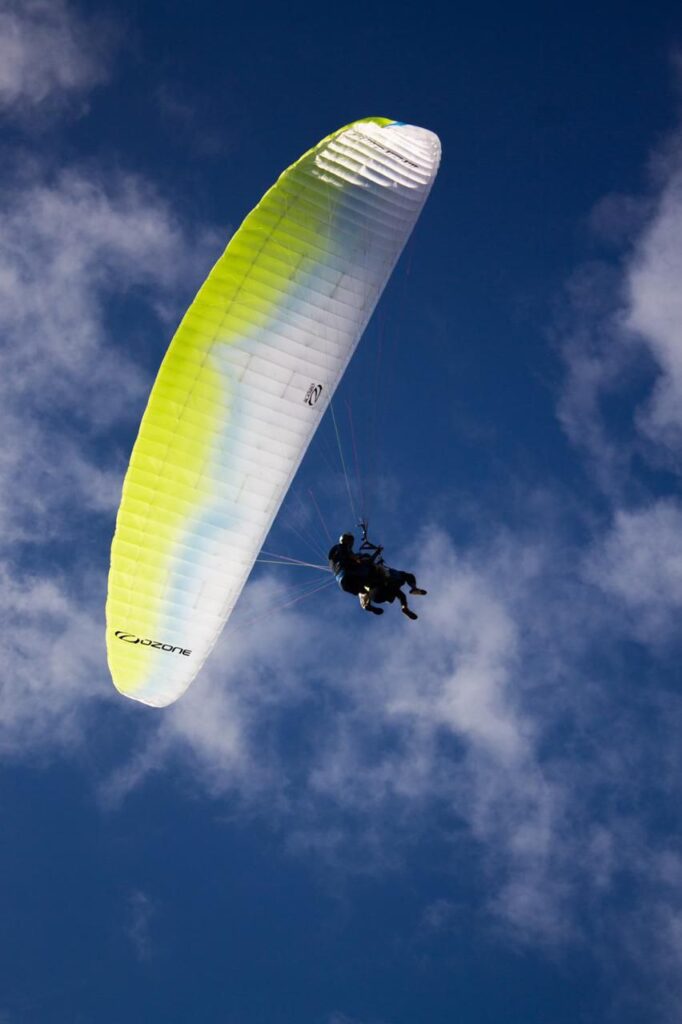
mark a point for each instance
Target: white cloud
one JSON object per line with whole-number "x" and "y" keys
{"x": 398, "y": 691}
{"x": 69, "y": 247}
{"x": 639, "y": 563}
{"x": 622, "y": 337}
{"x": 601, "y": 359}
{"x": 141, "y": 912}
{"x": 51, "y": 654}
{"x": 457, "y": 710}
{"x": 655, "y": 310}
{"x": 342, "y": 1018}
{"x": 49, "y": 54}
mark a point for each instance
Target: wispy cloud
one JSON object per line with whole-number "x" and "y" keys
{"x": 400, "y": 718}
{"x": 49, "y": 55}
{"x": 623, "y": 336}
{"x": 654, "y": 307}
{"x": 141, "y": 913}
{"x": 342, "y": 1018}
{"x": 51, "y": 662}
{"x": 69, "y": 248}
{"x": 639, "y": 563}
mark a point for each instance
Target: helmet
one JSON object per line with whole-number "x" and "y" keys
{"x": 347, "y": 538}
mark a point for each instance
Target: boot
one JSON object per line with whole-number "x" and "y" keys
{"x": 418, "y": 590}
{"x": 408, "y": 611}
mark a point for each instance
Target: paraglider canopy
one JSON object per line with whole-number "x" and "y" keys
{"x": 242, "y": 389}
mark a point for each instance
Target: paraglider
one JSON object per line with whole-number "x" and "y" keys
{"x": 367, "y": 576}
{"x": 242, "y": 389}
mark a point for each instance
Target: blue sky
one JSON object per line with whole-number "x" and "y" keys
{"x": 474, "y": 817}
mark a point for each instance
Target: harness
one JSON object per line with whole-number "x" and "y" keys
{"x": 367, "y": 545}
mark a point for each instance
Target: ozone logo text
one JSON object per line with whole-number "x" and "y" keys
{"x": 130, "y": 638}
{"x": 313, "y": 393}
